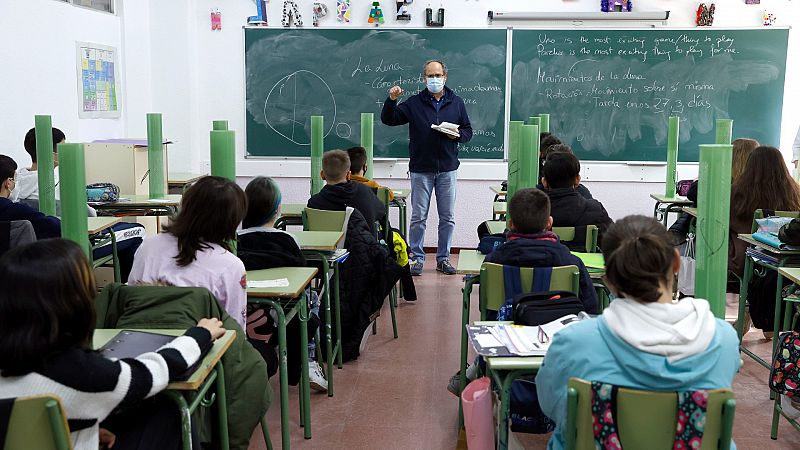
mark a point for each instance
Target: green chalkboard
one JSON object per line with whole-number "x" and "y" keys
{"x": 341, "y": 73}
{"x": 610, "y": 92}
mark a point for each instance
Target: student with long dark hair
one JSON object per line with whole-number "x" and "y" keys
{"x": 195, "y": 250}
{"x": 645, "y": 339}
{"x": 47, "y": 316}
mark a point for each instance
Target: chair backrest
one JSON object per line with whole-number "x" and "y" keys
{"x": 34, "y": 203}
{"x": 646, "y": 419}
{"x": 15, "y": 233}
{"x": 567, "y": 234}
{"x": 383, "y": 196}
{"x": 759, "y": 214}
{"x": 324, "y": 220}
{"x": 492, "y": 283}
{"x": 38, "y": 422}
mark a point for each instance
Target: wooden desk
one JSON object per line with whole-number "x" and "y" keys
{"x": 208, "y": 373}
{"x": 399, "y": 202}
{"x": 497, "y": 189}
{"x": 139, "y": 201}
{"x": 690, "y": 211}
{"x": 499, "y": 208}
{"x": 666, "y": 205}
{"x": 496, "y": 226}
{"x": 181, "y": 179}
{"x": 98, "y": 224}
{"x": 291, "y": 214}
{"x": 325, "y": 241}
{"x": 401, "y": 193}
{"x": 469, "y": 262}
{"x": 293, "y": 298}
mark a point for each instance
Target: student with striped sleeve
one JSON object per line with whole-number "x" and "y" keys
{"x": 47, "y": 316}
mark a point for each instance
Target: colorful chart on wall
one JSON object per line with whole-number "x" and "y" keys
{"x": 97, "y": 81}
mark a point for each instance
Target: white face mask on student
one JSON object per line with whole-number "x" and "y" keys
{"x": 435, "y": 85}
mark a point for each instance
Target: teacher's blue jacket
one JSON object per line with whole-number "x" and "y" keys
{"x": 429, "y": 150}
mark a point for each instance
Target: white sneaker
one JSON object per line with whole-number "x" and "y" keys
{"x": 364, "y": 338}
{"x": 315, "y": 377}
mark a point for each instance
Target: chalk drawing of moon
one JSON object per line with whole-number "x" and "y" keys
{"x": 343, "y": 130}
{"x": 293, "y": 100}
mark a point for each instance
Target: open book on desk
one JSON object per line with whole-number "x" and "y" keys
{"x": 505, "y": 339}
{"x": 447, "y": 128}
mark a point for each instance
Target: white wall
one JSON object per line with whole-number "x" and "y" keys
{"x": 38, "y": 72}
{"x": 174, "y": 64}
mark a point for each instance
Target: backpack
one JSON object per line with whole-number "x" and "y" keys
{"x": 487, "y": 241}
{"x": 790, "y": 233}
{"x": 102, "y": 192}
{"x": 784, "y": 376}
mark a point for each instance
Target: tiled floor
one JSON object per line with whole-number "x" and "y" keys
{"x": 394, "y": 396}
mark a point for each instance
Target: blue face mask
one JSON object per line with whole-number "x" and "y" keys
{"x": 435, "y": 85}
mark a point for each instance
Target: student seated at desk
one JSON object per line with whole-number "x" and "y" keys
{"x": 195, "y": 249}
{"x": 340, "y": 192}
{"x": 765, "y": 183}
{"x": 567, "y": 206}
{"x": 262, "y": 246}
{"x": 529, "y": 243}
{"x": 645, "y": 339}
{"x": 583, "y": 190}
{"x": 50, "y": 227}
{"x": 27, "y": 190}
{"x": 358, "y": 169}
{"x": 368, "y": 274}
{"x": 47, "y": 314}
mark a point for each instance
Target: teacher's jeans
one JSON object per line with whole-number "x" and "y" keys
{"x": 423, "y": 184}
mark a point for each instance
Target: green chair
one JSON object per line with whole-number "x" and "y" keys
{"x": 492, "y": 285}
{"x": 567, "y": 234}
{"x": 383, "y": 196}
{"x": 104, "y": 238}
{"x": 38, "y": 422}
{"x": 646, "y": 419}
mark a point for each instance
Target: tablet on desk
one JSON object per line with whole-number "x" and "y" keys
{"x": 130, "y": 344}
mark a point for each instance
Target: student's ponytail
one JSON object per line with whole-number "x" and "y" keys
{"x": 639, "y": 256}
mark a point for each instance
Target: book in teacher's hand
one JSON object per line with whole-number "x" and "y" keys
{"x": 447, "y": 128}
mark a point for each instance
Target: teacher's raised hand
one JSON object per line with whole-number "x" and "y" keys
{"x": 395, "y": 92}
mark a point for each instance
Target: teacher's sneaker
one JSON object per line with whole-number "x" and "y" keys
{"x": 315, "y": 377}
{"x": 445, "y": 267}
{"x": 416, "y": 267}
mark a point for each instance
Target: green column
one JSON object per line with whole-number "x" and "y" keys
{"x": 534, "y": 120}
{"x": 367, "y": 120}
{"x": 544, "y": 126}
{"x": 44, "y": 161}
{"x": 220, "y": 125}
{"x": 72, "y": 183}
{"x": 317, "y": 145}
{"x": 724, "y": 131}
{"x": 514, "y": 136}
{"x": 155, "y": 155}
{"x": 672, "y": 154}
{"x": 223, "y": 154}
{"x": 529, "y": 157}
{"x": 713, "y": 215}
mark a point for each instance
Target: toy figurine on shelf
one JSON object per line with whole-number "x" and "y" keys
{"x": 769, "y": 19}
{"x": 616, "y": 5}
{"x": 260, "y": 18}
{"x": 705, "y": 15}
{"x": 402, "y": 10}
{"x": 343, "y": 10}
{"x": 318, "y": 11}
{"x": 376, "y": 14}
{"x": 439, "y": 22}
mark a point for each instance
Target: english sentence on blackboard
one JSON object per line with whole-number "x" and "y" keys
{"x": 636, "y": 47}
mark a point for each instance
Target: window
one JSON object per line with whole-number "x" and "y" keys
{"x": 97, "y": 5}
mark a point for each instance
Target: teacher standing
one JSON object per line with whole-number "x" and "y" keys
{"x": 433, "y": 158}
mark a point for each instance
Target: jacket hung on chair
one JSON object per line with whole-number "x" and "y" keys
{"x": 366, "y": 278}
{"x": 570, "y": 209}
{"x": 267, "y": 248}
{"x": 337, "y": 197}
{"x": 544, "y": 250}
{"x": 247, "y": 387}
{"x": 662, "y": 347}
{"x": 44, "y": 226}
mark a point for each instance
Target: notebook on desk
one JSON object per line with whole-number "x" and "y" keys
{"x": 130, "y": 344}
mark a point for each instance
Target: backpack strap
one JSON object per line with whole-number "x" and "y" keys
{"x": 604, "y": 414}
{"x": 692, "y": 408}
{"x": 512, "y": 284}
{"x": 541, "y": 279}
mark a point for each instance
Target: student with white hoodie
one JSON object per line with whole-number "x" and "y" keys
{"x": 645, "y": 339}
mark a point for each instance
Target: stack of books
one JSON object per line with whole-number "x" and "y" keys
{"x": 504, "y": 339}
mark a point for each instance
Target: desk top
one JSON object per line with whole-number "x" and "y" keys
{"x": 139, "y": 201}
{"x": 325, "y": 241}
{"x": 292, "y": 210}
{"x": 677, "y": 200}
{"x": 749, "y": 239}
{"x": 515, "y": 362}
{"x": 496, "y": 226}
{"x": 469, "y": 262}
{"x": 500, "y": 207}
{"x": 221, "y": 345}
{"x": 98, "y": 224}
{"x": 298, "y": 277}
{"x": 690, "y": 211}
{"x": 182, "y": 178}
{"x": 497, "y": 189}
{"x": 792, "y": 273}
{"x": 401, "y": 194}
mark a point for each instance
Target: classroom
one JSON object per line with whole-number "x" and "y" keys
{"x": 354, "y": 224}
